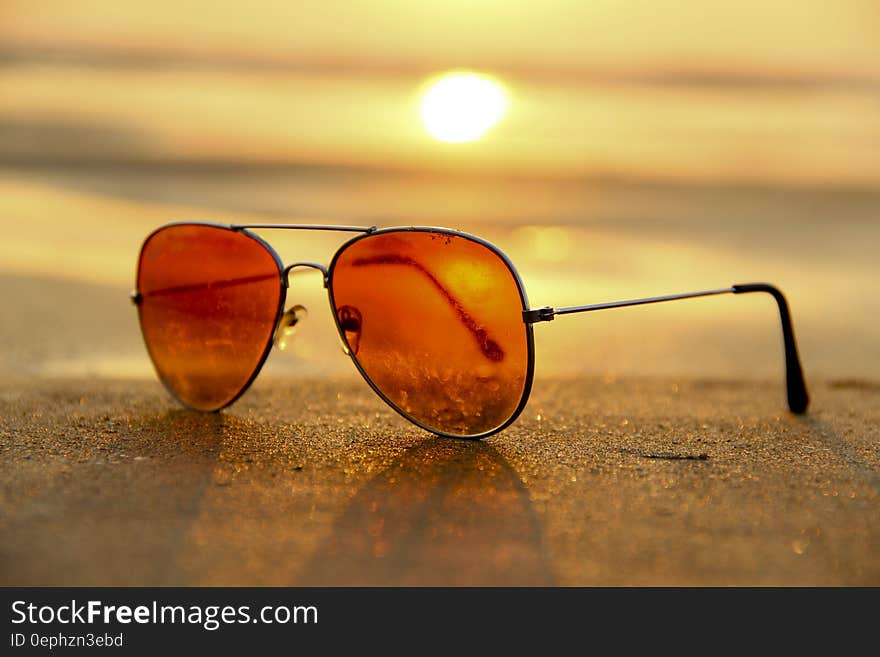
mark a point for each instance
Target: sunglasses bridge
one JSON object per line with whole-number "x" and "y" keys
{"x": 285, "y": 278}
{"x": 289, "y": 320}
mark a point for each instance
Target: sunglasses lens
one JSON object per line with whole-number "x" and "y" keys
{"x": 435, "y": 323}
{"x": 209, "y": 301}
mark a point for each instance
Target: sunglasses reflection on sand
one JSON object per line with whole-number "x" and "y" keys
{"x": 437, "y": 321}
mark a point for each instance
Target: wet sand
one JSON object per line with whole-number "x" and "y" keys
{"x": 633, "y": 482}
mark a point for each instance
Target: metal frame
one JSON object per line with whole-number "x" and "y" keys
{"x": 796, "y": 387}
{"x": 798, "y": 398}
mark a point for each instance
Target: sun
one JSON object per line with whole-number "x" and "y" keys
{"x": 460, "y": 107}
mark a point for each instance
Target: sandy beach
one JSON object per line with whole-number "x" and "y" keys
{"x": 651, "y": 482}
{"x": 656, "y": 449}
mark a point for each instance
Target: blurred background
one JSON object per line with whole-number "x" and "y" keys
{"x": 613, "y": 149}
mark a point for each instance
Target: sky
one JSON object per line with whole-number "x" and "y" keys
{"x": 647, "y": 148}
{"x": 804, "y": 36}
{"x": 776, "y": 93}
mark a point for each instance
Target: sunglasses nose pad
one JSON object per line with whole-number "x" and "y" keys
{"x": 350, "y": 322}
{"x": 287, "y": 325}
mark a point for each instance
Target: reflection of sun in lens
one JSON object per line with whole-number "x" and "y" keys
{"x": 460, "y": 107}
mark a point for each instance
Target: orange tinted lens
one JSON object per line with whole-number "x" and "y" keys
{"x": 209, "y": 301}
{"x": 435, "y": 322}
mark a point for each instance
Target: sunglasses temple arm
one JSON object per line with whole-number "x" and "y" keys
{"x": 798, "y": 398}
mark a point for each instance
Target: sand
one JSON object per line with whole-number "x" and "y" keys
{"x": 656, "y": 448}
{"x": 633, "y": 482}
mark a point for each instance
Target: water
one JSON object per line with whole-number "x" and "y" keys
{"x": 603, "y": 182}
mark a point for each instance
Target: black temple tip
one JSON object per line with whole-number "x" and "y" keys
{"x": 798, "y": 398}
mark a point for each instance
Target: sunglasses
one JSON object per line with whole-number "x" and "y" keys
{"x": 435, "y": 320}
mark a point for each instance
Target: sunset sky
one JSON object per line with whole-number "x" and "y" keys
{"x": 565, "y": 37}
{"x": 640, "y": 148}
{"x": 783, "y": 92}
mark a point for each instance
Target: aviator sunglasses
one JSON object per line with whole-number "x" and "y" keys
{"x": 436, "y": 320}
